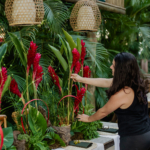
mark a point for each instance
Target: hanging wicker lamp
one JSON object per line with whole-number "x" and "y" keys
{"x": 24, "y": 12}
{"x": 85, "y": 16}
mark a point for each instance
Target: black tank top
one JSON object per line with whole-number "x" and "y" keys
{"x": 134, "y": 120}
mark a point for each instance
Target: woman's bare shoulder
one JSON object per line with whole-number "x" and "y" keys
{"x": 124, "y": 93}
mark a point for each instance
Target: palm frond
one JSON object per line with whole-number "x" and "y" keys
{"x": 56, "y": 13}
{"x": 25, "y": 35}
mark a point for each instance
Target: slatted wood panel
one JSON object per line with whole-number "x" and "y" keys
{"x": 119, "y": 3}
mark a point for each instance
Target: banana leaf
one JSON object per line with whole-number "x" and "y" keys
{"x": 36, "y": 121}
{"x": 70, "y": 40}
{"x": 59, "y": 57}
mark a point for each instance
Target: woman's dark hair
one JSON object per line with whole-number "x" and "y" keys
{"x": 127, "y": 73}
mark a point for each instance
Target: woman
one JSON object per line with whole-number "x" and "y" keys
{"x": 127, "y": 98}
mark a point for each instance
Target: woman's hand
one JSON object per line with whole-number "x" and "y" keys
{"x": 83, "y": 118}
{"x": 76, "y": 78}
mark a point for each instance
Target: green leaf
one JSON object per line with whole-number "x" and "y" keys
{"x": 8, "y": 137}
{"x": 59, "y": 57}
{"x": 67, "y": 49}
{"x": 57, "y": 137}
{"x": 79, "y": 45}
{"x": 64, "y": 46}
{"x": 19, "y": 49}
{"x": 3, "y": 49}
{"x": 12, "y": 148}
{"x": 40, "y": 145}
{"x": 36, "y": 120}
{"x": 48, "y": 136}
{"x": 70, "y": 40}
{"x": 7, "y": 83}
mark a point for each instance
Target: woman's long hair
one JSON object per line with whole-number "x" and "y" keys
{"x": 127, "y": 73}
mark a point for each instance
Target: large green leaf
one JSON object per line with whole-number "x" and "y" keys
{"x": 12, "y": 148}
{"x": 3, "y": 49}
{"x": 79, "y": 45}
{"x": 59, "y": 57}
{"x": 19, "y": 49}
{"x": 70, "y": 40}
{"x": 7, "y": 83}
{"x": 67, "y": 49}
{"x": 36, "y": 120}
{"x": 8, "y": 137}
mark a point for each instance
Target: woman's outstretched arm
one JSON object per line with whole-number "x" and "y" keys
{"x": 122, "y": 99}
{"x": 99, "y": 82}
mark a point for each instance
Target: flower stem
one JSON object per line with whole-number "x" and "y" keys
{"x": 69, "y": 98}
{"x": 71, "y": 94}
{"x": 86, "y": 86}
{"x": 27, "y": 86}
{"x": 35, "y": 94}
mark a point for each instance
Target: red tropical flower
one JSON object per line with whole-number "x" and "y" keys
{"x": 78, "y": 100}
{"x": 31, "y": 55}
{"x": 86, "y": 72}
{"x": 77, "y": 67}
{"x": 35, "y": 64}
{"x": 1, "y": 40}
{"x": 54, "y": 76}
{"x": 14, "y": 88}
{"x": 3, "y": 78}
{"x": 76, "y": 57}
{"x": 39, "y": 74}
{"x": 83, "y": 52}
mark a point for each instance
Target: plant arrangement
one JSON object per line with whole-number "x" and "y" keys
{"x": 67, "y": 98}
{"x": 88, "y": 130}
{"x": 72, "y": 61}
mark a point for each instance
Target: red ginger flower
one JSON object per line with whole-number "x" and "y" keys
{"x": 3, "y": 78}
{"x": 35, "y": 64}
{"x": 77, "y": 67}
{"x": 83, "y": 52}
{"x": 76, "y": 57}
{"x": 14, "y": 88}
{"x": 78, "y": 100}
{"x": 39, "y": 74}
{"x": 1, "y": 40}
{"x": 54, "y": 76}
{"x": 31, "y": 55}
{"x": 86, "y": 72}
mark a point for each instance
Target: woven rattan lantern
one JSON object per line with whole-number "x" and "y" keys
{"x": 85, "y": 16}
{"x": 24, "y": 12}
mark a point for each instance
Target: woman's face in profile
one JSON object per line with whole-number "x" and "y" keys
{"x": 112, "y": 67}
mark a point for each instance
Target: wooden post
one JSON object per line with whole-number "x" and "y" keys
{"x": 91, "y": 89}
{"x": 144, "y": 65}
{"x": 3, "y": 119}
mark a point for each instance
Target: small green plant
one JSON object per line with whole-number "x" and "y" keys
{"x": 23, "y": 137}
{"x": 89, "y": 129}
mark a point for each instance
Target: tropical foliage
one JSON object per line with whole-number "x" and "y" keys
{"x": 59, "y": 53}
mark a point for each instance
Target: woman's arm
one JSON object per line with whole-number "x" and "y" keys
{"x": 99, "y": 82}
{"x": 119, "y": 100}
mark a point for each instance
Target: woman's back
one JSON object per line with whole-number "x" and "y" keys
{"x": 134, "y": 120}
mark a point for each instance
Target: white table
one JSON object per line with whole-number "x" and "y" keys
{"x": 115, "y": 136}
{"x": 104, "y": 142}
